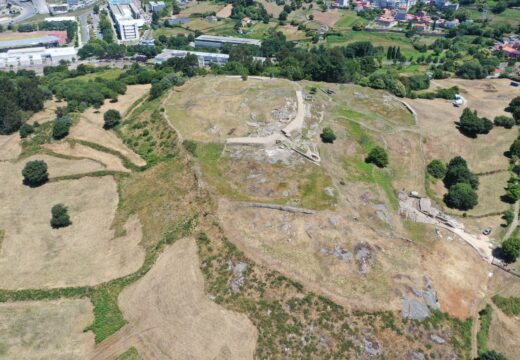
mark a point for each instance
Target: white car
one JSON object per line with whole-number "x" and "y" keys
{"x": 457, "y": 101}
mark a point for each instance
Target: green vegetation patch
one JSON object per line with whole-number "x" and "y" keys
{"x": 485, "y": 316}
{"x": 509, "y": 305}
{"x": 130, "y": 354}
{"x": 313, "y": 194}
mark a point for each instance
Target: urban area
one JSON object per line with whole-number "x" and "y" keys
{"x": 260, "y": 179}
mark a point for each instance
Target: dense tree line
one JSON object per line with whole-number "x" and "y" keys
{"x": 105, "y": 27}
{"x": 71, "y": 27}
{"x": 101, "y": 49}
{"x": 20, "y": 94}
{"x": 248, "y": 8}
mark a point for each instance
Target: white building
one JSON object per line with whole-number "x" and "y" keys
{"x": 219, "y": 41}
{"x": 127, "y": 19}
{"x": 204, "y": 58}
{"x": 37, "y": 56}
{"x": 156, "y": 6}
{"x": 60, "y": 18}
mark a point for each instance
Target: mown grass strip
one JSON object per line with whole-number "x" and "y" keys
{"x": 509, "y": 305}
{"x": 126, "y": 162}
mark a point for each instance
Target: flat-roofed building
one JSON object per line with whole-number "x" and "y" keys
{"x": 127, "y": 19}
{"x": 43, "y": 40}
{"x": 219, "y": 41}
{"x": 36, "y": 56}
{"x": 204, "y": 58}
{"x": 156, "y": 6}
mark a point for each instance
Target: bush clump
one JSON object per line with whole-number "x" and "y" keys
{"x": 112, "y": 118}
{"x": 61, "y": 127}
{"x": 378, "y": 157}
{"x": 504, "y": 121}
{"x": 461, "y": 196}
{"x": 60, "y": 216}
{"x": 511, "y": 249}
{"x": 328, "y": 136}
{"x": 35, "y": 173}
{"x": 471, "y": 124}
{"x": 437, "y": 169}
{"x": 26, "y": 130}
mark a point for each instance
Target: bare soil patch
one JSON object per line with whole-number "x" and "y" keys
{"x": 170, "y": 316}
{"x": 225, "y": 12}
{"x": 86, "y": 253}
{"x": 328, "y": 18}
{"x": 271, "y": 7}
{"x": 46, "y": 330}
{"x": 111, "y": 162}
{"x": 10, "y": 147}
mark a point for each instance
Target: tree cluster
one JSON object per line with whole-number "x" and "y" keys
{"x": 327, "y": 135}
{"x": 35, "y": 173}
{"x": 111, "y": 119}
{"x": 61, "y": 127}
{"x": 60, "y": 216}
{"x": 471, "y": 124}
{"x": 459, "y": 180}
{"x": 248, "y": 8}
{"x": 19, "y": 92}
{"x": 514, "y": 108}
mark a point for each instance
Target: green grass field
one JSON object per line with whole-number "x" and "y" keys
{"x": 350, "y": 18}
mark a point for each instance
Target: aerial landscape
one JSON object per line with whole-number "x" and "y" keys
{"x": 260, "y": 179}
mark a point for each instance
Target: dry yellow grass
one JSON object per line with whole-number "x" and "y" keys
{"x": 86, "y": 253}
{"x": 10, "y": 147}
{"x": 64, "y": 167}
{"x": 225, "y": 12}
{"x": 503, "y": 334}
{"x": 200, "y": 7}
{"x": 110, "y": 162}
{"x": 47, "y": 114}
{"x": 215, "y": 108}
{"x": 171, "y": 317}
{"x": 90, "y": 126}
{"x": 45, "y": 330}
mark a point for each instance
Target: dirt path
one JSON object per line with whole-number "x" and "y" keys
{"x": 514, "y": 224}
{"x": 171, "y": 317}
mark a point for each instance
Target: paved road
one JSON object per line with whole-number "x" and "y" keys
{"x": 28, "y": 11}
{"x": 41, "y": 6}
{"x": 85, "y": 36}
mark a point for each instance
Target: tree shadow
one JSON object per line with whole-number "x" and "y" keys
{"x": 463, "y": 132}
{"x": 499, "y": 254}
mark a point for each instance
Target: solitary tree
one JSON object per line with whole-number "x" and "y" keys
{"x": 461, "y": 196}
{"x": 378, "y": 157}
{"x": 472, "y": 125}
{"x": 112, "y": 118}
{"x": 437, "y": 169}
{"x": 328, "y": 136}
{"x": 61, "y": 127}
{"x": 491, "y": 355}
{"x": 511, "y": 248}
{"x": 35, "y": 173}
{"x": 60, "y": 216}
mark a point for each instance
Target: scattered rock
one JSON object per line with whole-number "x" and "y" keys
{"x": 333, "y": 220}
{"x": 339, "y": 252}
{"x": 382, "y": 212}
{"x": 285, "y": 193}
{"x": 238, "y": 277}
{"x": 414, "y": 309}
{"x": 372, "y": 347}
{"x": 329, "y": 191}
{"x": 415, "y": 355}
{"x": 364, "y": 257}
{"x": 437, "y": 339}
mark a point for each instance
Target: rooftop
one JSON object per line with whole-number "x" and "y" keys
{"x": 44, "y": 39}
{"x": 226, "y": 39}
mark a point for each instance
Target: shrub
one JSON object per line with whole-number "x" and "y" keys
{"x": 491, "y": 355}
{"x": 60, "y": 216}
{"x": 111, "y": 118}
{"x": 504, "y": 121}
{"x": 378, "y": 157}
{"x": 35, "y": 173}
{"x": 437, "y": 169}
{"x": 509, "y": 216}
{"x": 26, "y": 130}
{"x": 472, "y": 125}
{"x": 458, "y": 172}
{"x": 514, "y": 149}
{"x": 61, "y": 127}
{"x": 511, "y": 248}
{"x": 328, "y": 136}
{"x": 461, "y": 196}
{"x": 190, "y": 146}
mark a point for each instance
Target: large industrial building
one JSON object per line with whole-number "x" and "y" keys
{"x": 211, "y": 41}
{"x": 127, "y": 19}
{"x": 42, "y": 40}
{"x": 37, "y": 56}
